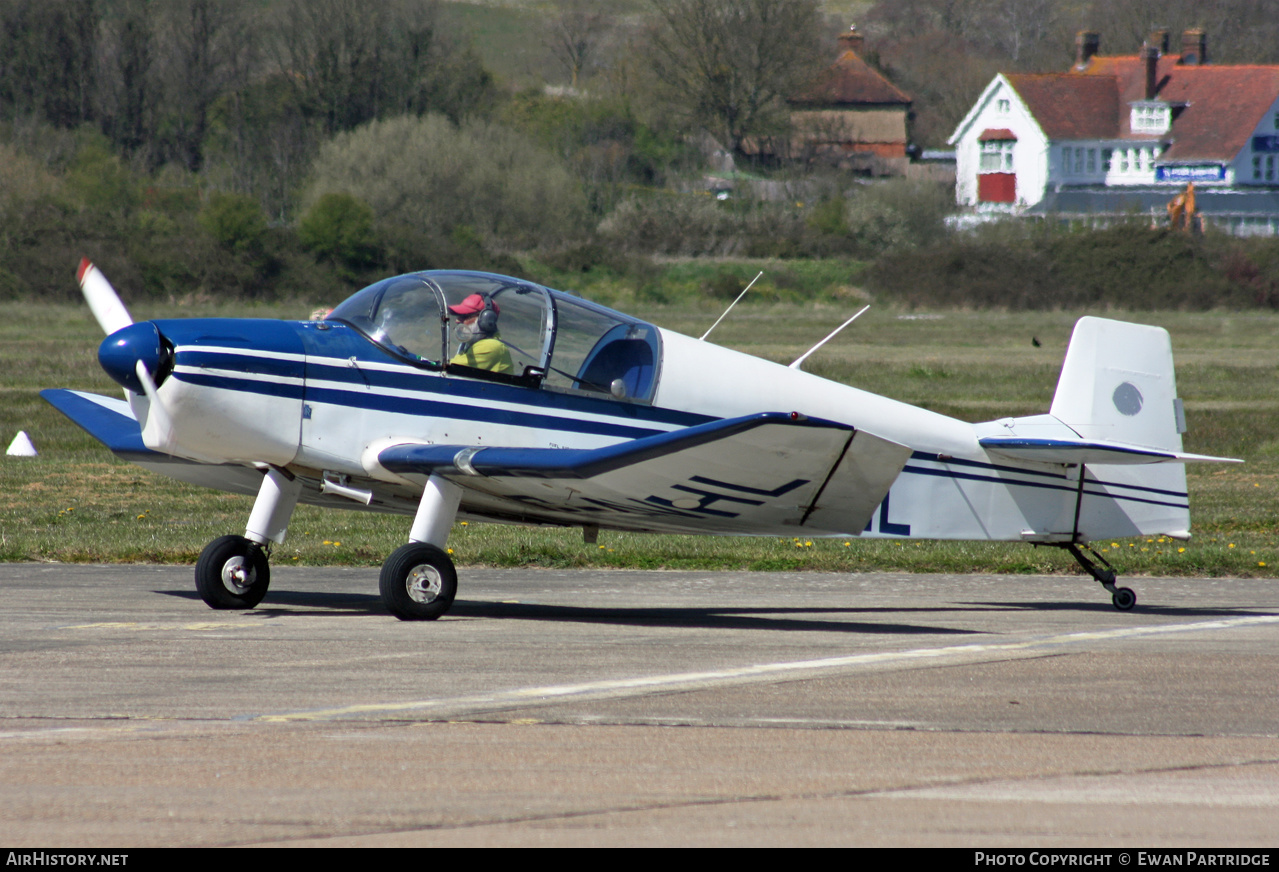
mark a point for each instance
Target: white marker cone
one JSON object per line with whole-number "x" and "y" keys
{"x": 21, "y": 446}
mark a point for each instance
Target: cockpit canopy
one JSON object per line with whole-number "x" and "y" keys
{"x": 553, "y": 340}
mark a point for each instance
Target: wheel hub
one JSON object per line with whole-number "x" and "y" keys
{"x": 237, "y": 575}
{"x": 423, "y": 583}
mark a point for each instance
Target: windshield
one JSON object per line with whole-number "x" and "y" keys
{"x": 402, "y": 313}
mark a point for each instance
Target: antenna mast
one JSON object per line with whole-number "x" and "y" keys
{"x": 732, "y": 304}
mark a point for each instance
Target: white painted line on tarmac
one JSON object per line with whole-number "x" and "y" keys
{"x": 616, "y": 688}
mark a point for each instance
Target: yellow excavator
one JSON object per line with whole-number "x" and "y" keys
{"x": 1182, "y": 212}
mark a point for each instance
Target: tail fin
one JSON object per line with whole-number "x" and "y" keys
{"x": 1117, "y": 384}
{"x": 1115, "y": 414}
{"x": 1117, "y": 397}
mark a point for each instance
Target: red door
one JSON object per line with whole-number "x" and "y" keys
{"x": 997, "y": 188}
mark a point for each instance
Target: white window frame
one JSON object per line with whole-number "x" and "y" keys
{"x": 996, "y": 156}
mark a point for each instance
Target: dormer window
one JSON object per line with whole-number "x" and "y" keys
{"x": 1151, "y": 117}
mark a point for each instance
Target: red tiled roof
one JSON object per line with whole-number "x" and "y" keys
{"x": 1069, "y": 106}
{"x": 1001, "y": 134}
{"x": 850, "y": 81}
{"x": 1223, "y": 106}
{"x": 1216, "y": 108}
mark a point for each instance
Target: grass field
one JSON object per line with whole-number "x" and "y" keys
{"x": 76, "y": 503}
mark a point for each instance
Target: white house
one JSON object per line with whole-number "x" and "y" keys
{"x": 1123, "y": 132}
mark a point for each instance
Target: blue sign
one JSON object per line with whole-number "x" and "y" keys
{"x": 1266, "y": 143}
{"x": 1209, "y": 173}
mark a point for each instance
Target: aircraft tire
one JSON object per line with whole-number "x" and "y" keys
{"x": 1123, "y": 598}
{"x": 418, "y": 582}
{"x": 219, "y": 571}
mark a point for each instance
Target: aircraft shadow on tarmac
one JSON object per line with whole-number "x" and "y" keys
{"x": 298, "y": 603}
{"x": 1073, "y": 606}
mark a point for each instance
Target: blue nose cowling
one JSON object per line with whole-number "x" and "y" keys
{"x": 119, "y": 353}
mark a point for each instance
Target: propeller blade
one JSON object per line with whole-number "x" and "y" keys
{"x": 157, "y": 430}
{"x": 102, "y": 298}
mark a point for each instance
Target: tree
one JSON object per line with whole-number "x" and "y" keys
{"x": 729, "y": 64}
{"x": 574, "y": 35}
{"x": 130, "y": 90}
{"x": 205, "y": 49}
{"x": 349, "y": 62}
{"x": 47, "y": 52}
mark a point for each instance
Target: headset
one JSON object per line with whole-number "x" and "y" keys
{"x": 486, "y": 323}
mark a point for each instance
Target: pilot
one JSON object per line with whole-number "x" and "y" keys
{"x": 481, "y": 345}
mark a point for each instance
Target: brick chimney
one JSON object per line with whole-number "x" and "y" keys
{"x": 851, "y": 40}
{"x": 1087, "y": 44}
{"x": 1194, "y": 47}
{"x": 1150, "y": 60}
{"x": 1159, "y": 39}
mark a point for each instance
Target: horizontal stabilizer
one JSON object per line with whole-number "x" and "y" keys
{"x": 765, "y": 473}
{"x": 1088, "y": 451}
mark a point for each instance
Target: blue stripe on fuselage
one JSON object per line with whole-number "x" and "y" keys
{"x": 466, "y": 412}
{"x": 1047, "y": 481}
{"x": 400, "y": 391}
{"x": 231, "y": 362}
{"x": 453, "y": 387}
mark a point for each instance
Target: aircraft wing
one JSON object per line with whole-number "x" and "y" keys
{"x": 111, "y": 422}
{"x": 107, "y": 419}
{"x": 769, "y": 473}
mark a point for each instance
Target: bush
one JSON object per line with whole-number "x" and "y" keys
{"x": 339, "y": 228}
{"x": 430, "y": 176}
{"x": 235, "y": 221}
{"x": 694, "y": 225}
{"x": 897, "y": 214}
{"x": 1018, "y": 265}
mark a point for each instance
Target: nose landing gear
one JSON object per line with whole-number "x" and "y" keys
{"x": 233, "y": 571}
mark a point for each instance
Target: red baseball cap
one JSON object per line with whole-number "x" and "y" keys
{"x": 471, "y": 305}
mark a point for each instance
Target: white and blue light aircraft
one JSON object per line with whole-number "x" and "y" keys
{"x": 603, "y": 421}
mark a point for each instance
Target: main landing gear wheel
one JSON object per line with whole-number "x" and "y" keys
{"x": 418, "y": 582}
{"x": 1123, "y": 598}
{"x": 232, "y": 573}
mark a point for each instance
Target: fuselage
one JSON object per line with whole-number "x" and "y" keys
{"x": 322, "y": 398}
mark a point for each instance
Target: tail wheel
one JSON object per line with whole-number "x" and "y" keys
{"x": 1123, "y": 598}
{"x": 232, "y": 573}
{"x": 418, "y": 582}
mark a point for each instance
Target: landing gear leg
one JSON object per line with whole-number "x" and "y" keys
{"x": 419, "y": 581}
{"x": 1122, "y": 597}
{"x": 233, "y": 572}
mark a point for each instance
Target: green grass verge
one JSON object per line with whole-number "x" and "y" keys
{"x": 76, "y": 503}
